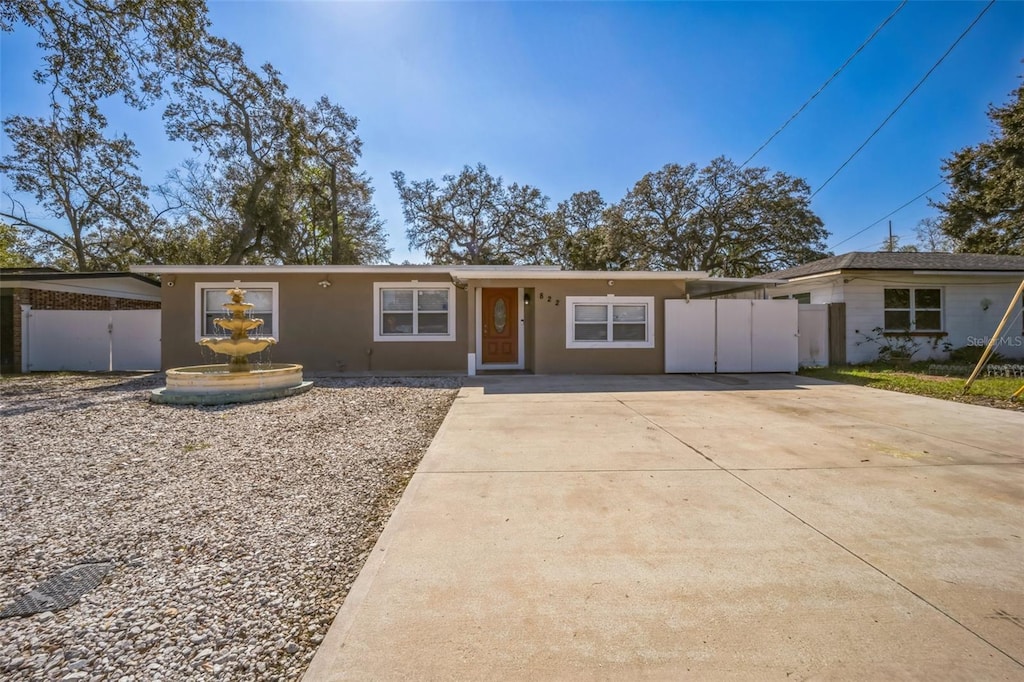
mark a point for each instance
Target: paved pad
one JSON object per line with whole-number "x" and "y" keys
{"x": 761, "y": 527}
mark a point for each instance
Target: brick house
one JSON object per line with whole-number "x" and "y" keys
{"x": 23, "y": 290}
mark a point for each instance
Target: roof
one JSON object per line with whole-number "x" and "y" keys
{"x": 54, "y": 275}
{"x": 462, "y": 272}
{"x": 340, "y": 269}
{"x": 899, "y": 260}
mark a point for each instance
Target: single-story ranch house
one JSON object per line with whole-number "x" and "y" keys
{"x": 940, "y": 299}
{"x": 462, "y": 319}
{"x": 469, "y": 319}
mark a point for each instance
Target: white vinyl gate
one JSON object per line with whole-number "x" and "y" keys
{"x": 731, "y": 335}
{"x": 813, "y": 327}
{"x": 91, "y": 340}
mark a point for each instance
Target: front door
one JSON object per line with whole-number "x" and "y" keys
{"x": 499, "y": 316}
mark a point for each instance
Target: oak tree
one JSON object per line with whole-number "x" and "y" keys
{"x": 722, "y": 219}
{"x": 473, "y": 218}
{"x": 984, "y": 208}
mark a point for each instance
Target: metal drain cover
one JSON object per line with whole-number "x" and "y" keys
{"x": 59, "y": 591}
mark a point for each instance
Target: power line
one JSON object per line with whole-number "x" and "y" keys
{"x": 904, "y": 101}
{"x": 889, "y": 214}
{"x": 826, "y": 83}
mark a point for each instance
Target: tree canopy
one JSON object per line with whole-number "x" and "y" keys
{"x": 722, "y": 219}
{"x": 984, "y": 207}
{"x": 273, "y": 180}
{"x": 473, "y": 218}
{"x": 87, "y": 180}
{"x": 96, "y": 49}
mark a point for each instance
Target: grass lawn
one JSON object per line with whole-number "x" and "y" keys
{"x": 991, "y": 391}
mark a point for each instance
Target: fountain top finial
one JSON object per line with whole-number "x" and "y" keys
{"x": 237, "y": 294}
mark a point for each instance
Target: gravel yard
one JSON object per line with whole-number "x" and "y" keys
{"x": 236, "y": 531}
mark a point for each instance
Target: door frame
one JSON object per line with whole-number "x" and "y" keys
{"x": 479, "y": 331}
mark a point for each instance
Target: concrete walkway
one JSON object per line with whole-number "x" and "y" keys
{"x": 672, "y": 527}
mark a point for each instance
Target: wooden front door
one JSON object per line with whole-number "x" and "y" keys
{"x": 500, "y": 332}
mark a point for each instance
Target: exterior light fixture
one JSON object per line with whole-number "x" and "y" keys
{"x": 526, "y": 298}
{"x": 324, "y": 283}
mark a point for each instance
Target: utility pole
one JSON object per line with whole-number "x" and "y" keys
{"x": 890, "y": 249}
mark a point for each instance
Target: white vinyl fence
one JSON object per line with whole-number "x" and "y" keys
{"x": 90, "y": 340}
{"x": 731, "y": 335}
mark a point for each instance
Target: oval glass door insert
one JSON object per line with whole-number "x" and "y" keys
{"x": 500, "y": 315}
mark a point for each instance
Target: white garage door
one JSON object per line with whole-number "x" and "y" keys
{"x": 729, "y": 335}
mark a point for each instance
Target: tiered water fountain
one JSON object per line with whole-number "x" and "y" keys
{"x": 237, "y": 381}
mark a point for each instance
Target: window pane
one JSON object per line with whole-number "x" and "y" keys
{"x": 262, "y": 299}
{"x": 396, "y": 323}
{"x": 802, "y": 298}
{"x": 215, "y": 300}
{"x": 433, "y": 323}
{"x": 591, "y": 332}
{"x": 397, "y": 299}
{"x": 629, "y": 313}
{"x": 268, "y": 325}
{"x": 927, "y": 298}
{"x": 897, "y": 298}
{"x": 629, "y": 332}
{"x": 433, "y": 299}
{"x": 897, "y": 320}
{"x": 930, "y": 320}
{"x": 210, "y": 328}
{"x": 591, "y": 313}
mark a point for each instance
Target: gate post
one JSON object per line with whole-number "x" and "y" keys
{"x": 26, "y": 313}
{"x": 836, "y": 334}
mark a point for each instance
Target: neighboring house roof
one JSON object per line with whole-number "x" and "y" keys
{"x": 55, "y": 275}
{"x": 885, "y": 260}
{"x": 114, "y": 284}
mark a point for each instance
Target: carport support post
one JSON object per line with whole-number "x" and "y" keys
{"x": 26, "y": 313}
{"x": 994, "y": 340}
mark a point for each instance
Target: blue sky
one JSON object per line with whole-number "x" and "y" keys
{"x": 573, "y": 96}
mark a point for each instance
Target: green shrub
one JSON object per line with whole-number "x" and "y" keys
{"x": 969, "y": 355}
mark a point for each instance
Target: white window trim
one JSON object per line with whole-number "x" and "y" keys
{"x": 275, "y": 307}
{"x": 390, "y": 338}
{"x": 912, "y": 310}
{"x": 570, "y": 320}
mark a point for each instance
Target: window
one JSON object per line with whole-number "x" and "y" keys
{"x": 211, "y": 297}
{"x": 609, "y": 322}
{"x": 913, "y": 310}
{"x": 800, "y": 298}
{"x": 413, "y": 311}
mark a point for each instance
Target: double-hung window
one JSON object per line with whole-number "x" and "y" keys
{"x": 211, "y": 297}
{"x": 609, "y": 322}
{"x": 915, "y": 310}
{"x": 415, "y": 311}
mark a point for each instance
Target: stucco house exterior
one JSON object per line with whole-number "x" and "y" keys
{"x": 941, "y": 300}
{"x": 457, "y": 319}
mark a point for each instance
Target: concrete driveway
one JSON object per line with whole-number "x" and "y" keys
{"x": 726, "y": 527}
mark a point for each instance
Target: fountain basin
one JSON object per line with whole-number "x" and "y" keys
{"x": 217, "y": 385}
